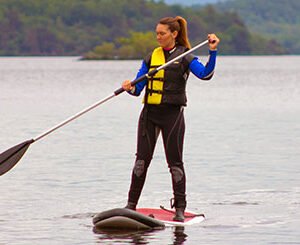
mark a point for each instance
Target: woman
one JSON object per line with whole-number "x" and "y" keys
{"x": 164, "y": 100}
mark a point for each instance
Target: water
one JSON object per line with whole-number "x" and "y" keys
{"x": 241, "y": 152}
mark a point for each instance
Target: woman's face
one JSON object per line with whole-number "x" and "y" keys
{"x": 165, "y": 37}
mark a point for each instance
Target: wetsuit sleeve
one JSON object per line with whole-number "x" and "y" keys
{"x": 204, "y": 72}
{"x": 140, "y": 86}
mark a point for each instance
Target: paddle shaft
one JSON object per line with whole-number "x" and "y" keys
{"x": 49, "y": 131}
{"x": 117, "y": 92}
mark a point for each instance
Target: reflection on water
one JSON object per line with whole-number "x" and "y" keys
{"x": 131, "y": 237}
{"x": 139, "y": 237}
{"x": 179, "y": 236}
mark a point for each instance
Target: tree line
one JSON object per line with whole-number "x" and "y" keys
{"x": 276, "y": 19}
{"x": 107, "y": 29}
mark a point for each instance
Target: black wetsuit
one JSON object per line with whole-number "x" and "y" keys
{"x": 169, "y": 120}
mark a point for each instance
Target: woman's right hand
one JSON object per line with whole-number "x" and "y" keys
{"x": 126, "y": 85}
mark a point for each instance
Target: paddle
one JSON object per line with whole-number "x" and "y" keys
{"x": 10, "y": 157}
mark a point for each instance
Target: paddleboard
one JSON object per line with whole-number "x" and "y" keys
{"x": 142, "y": 218}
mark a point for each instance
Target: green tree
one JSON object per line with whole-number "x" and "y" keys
{"x": 136, "y": 46}
{"x": 73, "y": 27}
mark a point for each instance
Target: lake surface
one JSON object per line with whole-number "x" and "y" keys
{"x": 242, "y": 152}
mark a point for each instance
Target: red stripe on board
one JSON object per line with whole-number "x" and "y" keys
{"x": 161, "y": 214}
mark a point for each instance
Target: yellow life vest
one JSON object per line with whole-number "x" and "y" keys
{"x": 155, "y": 84}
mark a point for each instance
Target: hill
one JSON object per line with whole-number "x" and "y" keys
{"x": 73, "y": 27}
{"x": 275, "y": 19}
{"x": 192, "y": 2}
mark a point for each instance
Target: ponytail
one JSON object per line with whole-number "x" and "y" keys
{"x": 178, "y": 24}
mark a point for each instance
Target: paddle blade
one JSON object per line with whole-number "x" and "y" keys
{"x": 10, "y": 157}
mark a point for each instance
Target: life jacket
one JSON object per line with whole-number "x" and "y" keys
{"x": 167, "y": 86}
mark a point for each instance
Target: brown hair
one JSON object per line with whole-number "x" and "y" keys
{"x": 178, "y": 24}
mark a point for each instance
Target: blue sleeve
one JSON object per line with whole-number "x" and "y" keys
{"x": 204, "y": 72}
{"x": 140, "y": 86}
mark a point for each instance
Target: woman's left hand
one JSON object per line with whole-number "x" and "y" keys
{"x": 213, "y": 41}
